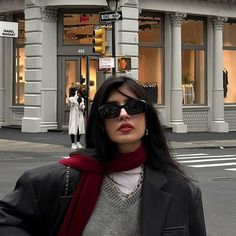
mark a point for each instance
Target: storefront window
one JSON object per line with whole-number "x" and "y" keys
{"x": 228, "y": 34}
{"x": 193, "y": 77}
{"x": 151, "y": 56}
{"x": 19, "y": 79}
{"x": 20, "y": 76}
{"x": 150, "y": 72}
{"x": 78, "y": 28}
{"x": 229, "y": 57}
{"x": 150, "y": 29}
{"x": 193, "y": 63}
{"x": 192, "y": 32}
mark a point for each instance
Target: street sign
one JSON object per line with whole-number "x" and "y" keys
{"x": 9, "y": 29}
{"x": 108, "y": 16}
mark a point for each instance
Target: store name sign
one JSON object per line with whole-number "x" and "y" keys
{"x": 9, "y": 29}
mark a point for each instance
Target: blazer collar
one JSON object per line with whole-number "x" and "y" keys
{"x": 155, "y": 202}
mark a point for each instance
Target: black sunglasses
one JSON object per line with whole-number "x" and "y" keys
{"x": 133, "y": 107}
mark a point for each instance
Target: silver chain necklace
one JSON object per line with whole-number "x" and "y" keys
{"x": 128, "y": 195}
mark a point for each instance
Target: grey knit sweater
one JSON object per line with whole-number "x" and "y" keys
{"x": 113, "y": 214}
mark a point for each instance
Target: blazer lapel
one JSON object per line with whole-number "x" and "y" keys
{"x": 155, "y": 203}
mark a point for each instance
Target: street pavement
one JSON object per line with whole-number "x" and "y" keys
{"x": 59, "y": 141}
{"x": 22, "y": 151}
{"x": 201, "y": 140}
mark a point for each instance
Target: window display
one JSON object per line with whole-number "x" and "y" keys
{"x": 193, "y": 62}
{"x": 151, "y": 56}
{"x": 192, "y": 32}
{"x": 19, "y": 80}
{"x": 229, "y": 57}
{"x": 20, "y": 77}
{"x": 149, "y": 29}
{"x": 229, "y": 73}
{"x": 78, "y": 28}
{"x": 150, "y": 72}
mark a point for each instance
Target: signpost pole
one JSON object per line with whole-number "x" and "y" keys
{"x": 114, "y": 47}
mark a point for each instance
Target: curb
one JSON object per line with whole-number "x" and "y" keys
{"x": 40, "y": 146}
{"x": 22, "y": 146}
{"x": 207, "y": 144}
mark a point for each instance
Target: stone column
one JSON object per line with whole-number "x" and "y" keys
{"x": 49, "y": 69}
{"x": 31, "y": 121}
{"x": 41, "y": 69}
{"x": 176, "y": 118}
{"x": 2, "y": 86}
{"x": 218, "y": 124}
{"x": 127, "y": 34}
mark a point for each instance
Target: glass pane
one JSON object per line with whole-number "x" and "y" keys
{"x": 150, "y": 73}
{"x": 21, "y": 35}
{"x": 19, "y": 85}
{"x": 93, "y": 79}
{"x": 150, "y": 30}
{"x": 193, "y": 77}
{"x": 192, "y": 32}
{"x": 78, "y": 28}
{"x": 229, "y": 57}
{"x": 229, "y": 35}
{"x": 71, "y": 76}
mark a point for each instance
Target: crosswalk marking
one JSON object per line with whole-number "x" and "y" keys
{"x": 191, "y": 154}
{"x": 214, "y": 165}
{"x": 231, "y": 169}
{"x": 201, "y": 160}
{"x": 208, "y": 160}
{"x": 200, "y": 157}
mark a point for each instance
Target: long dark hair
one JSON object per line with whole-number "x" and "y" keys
{"x": 159, "y": 155}
{"x": 72, "y": 92}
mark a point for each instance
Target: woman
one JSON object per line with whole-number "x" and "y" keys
{"x": 76, "y": 116}
{"x": 124, "y": 183}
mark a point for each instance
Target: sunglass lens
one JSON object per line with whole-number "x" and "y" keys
{"x": 113, "y": 110}
{"x": 135, "y": 107}
{"x": 109, "y": 111}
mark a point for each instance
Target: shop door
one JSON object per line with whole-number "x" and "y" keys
{"x": 72, "y": 70}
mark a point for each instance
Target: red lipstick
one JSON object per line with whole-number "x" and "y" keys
{"x": 125, "y": 127}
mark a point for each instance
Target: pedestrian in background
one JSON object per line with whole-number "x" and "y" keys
{"x": 124, "y": 183}
{"x": 76, "y": 116}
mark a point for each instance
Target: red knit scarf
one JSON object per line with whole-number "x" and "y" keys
{"x": 88, "y": 189}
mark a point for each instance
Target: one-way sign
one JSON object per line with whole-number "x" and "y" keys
{"x": 107, "y": 16}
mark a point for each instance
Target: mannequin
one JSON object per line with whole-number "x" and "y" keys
{"x": 225, "y": 82}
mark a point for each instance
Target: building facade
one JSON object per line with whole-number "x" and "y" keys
{"x": 182, "y": 53}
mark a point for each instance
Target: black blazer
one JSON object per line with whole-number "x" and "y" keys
{"x": 171, "y": 205}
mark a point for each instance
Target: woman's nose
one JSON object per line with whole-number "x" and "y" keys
{"x": 123, "y": 113}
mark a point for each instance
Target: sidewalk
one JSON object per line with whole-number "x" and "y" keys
{"x": 52, "y": 144}
{"x": 201, "y": 140}
{"x": 61, "y": 140}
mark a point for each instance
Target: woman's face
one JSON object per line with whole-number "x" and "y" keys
{"x": 125, "y": 130}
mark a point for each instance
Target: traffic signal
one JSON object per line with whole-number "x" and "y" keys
{"x": 124, "y": 63}
{"x": 99, "y": 41}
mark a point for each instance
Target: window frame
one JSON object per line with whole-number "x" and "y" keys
{"x": 198, "y": 48}
{"x": 16, "y": 46}
{"x": 160, "y": 45}
{"x": 60, "y": 32}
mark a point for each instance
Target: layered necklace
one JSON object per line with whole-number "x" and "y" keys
{"x": 115, "y": 184}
